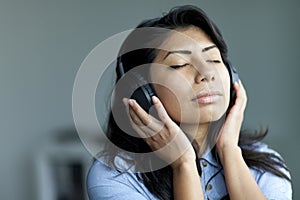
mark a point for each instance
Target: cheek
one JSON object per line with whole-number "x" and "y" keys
{"x": 170, "y": 98}
{"x": 173, "y": 90}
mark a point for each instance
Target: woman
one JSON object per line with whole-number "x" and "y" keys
{"x": 192, "y": 131}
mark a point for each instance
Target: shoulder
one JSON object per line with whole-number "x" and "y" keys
{"x": 273, "y": 186}
{"x": 99, "y": 173}
{"x": 104, "y": 182}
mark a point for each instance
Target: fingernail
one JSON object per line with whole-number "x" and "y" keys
{"x": 131, "y": 102}
{"x": 154, "y": 99}
{"x": 125, "y": 101}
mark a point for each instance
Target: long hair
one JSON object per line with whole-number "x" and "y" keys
{"x": 159, "y": 182}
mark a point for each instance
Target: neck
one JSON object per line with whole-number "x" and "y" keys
{"x": 197, "y": 134}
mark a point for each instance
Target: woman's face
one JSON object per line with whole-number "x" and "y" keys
{"x": 194, "y": 83}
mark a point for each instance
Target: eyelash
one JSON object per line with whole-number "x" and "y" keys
{"x": 214, "y": 61}
{"x": 179, "y": 66}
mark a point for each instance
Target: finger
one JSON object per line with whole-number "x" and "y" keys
{"x": 125, "y": 102}
{"x": 162, "y": 113}
{"x": 134, "y": 121}
{"x": 149, "y": 135}
{"x": 145, "y": 132}
{"x": 135, "y": 127}
{"x": 159, "y": 139}
{"x": 142, "y": 118}
{"x": 241, "y": 97}
{"x": 242, "y": 93}
{"x": 131, "y": 115}
{"x": 134, "y": 117}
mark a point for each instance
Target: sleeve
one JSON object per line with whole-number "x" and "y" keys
{"x": 106, "y": 183}
{"x": 109, "y": 192}
{"x": 274, "y": 187}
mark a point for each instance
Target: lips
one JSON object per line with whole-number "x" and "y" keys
{"x": 207, "y": 96}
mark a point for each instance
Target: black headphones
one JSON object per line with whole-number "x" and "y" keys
{"x": 234, "y": 77}
{"x": 145, "y": 91}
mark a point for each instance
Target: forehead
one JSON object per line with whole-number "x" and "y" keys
{"x": 191, "y": 38}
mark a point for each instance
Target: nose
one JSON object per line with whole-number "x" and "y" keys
{"x": 205, "y": 76}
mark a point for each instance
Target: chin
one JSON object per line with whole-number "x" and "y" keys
{"x": 203, "y": 119}
{"x": 204, "y": 115}
{"x": 213, "y": 114}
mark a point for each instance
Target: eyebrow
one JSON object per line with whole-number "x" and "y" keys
{"x": 189, "y": 52}
{"x": 209, "y": 47}
{"x": 177, "y": 51}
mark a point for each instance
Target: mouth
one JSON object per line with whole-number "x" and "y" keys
{"x": 207, "y": 96}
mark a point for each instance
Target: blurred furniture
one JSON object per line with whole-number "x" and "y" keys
{"x": 61, "y": 168}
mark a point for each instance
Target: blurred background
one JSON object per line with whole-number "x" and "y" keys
{"x": 43, "y": 43}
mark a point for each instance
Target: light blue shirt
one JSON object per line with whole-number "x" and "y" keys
{"x": 105, "y": 183}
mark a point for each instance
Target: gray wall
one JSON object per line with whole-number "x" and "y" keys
{"x": 42, "y": 44}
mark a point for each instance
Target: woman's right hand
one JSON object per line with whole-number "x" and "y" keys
{"x": 163, "y": 136}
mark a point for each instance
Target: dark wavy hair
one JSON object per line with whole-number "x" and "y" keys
{"x": 159, "y": 182}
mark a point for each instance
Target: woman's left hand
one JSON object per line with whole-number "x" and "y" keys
{"x": 230, "y": 131}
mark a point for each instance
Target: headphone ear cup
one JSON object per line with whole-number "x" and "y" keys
{"x": 234, "y": 77}
{"x": 144, "y": 93}
{"x": 143, "y": 96}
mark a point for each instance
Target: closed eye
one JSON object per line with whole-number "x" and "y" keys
{"x": 213, "y": 61}
{"x": 178, "y": 66}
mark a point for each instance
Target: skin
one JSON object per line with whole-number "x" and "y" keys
{"x": 173, "y": 107}
{"x": 199, "y": 73}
